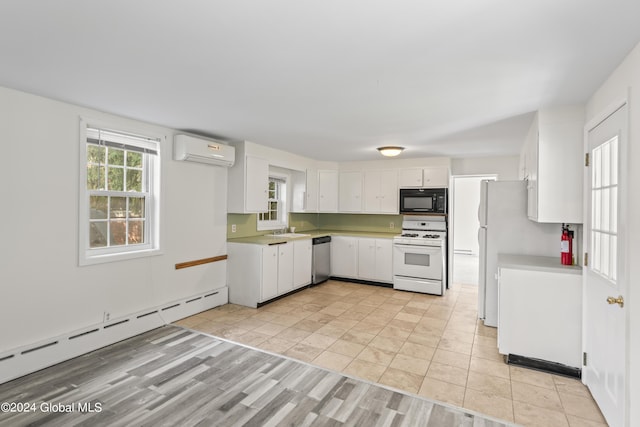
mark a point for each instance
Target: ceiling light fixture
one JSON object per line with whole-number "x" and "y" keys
{"x": 390, "y": 151}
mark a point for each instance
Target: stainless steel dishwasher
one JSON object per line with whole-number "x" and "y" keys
{"x": 321, "y": 259}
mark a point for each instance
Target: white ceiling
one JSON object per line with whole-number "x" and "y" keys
{"x": 327, "y": 79}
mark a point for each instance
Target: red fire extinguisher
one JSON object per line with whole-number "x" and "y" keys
{"x": 566, "y": 246}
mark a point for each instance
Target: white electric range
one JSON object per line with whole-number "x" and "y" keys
{"x": 419, "y": 255}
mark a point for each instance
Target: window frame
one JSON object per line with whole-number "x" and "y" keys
{"x": 152, "y": 163}
{"x": 283, "y": 211}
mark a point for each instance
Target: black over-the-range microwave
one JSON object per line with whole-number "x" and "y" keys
{"x": 423, "y": 200}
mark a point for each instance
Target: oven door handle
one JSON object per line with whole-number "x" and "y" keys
{"x": 407, "y": 246}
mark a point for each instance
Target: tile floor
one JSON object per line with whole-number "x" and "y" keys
{"x": 427, "y": 345}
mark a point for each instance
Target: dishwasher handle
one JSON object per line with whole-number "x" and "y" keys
{"x": 321, "y": 240}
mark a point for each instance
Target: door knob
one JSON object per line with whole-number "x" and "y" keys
{"x": 619, "y": 300}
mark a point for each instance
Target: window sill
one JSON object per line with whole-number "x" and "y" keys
{"x": 122, "y": 256}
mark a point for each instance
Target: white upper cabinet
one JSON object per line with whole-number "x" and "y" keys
{"x": 411, "y": 177}
{"x": 327, "y": 191}
{"x": 552, "y": 160}
{"x": 381, "y": 191}
{"x": 248, "y": 183}
{"x": 311, "y": 202}
{"x": 350, "y": 192}
{"x": 427, "y": 177}
{"x": 435, "y": 177}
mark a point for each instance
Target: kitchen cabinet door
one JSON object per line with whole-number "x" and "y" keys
{"x": 367, "y": 259}
{"x": 344, "y": 256}
{"x": 554, "y": 163}
{"x": 269, "y": 277}
{"x": 540, "y": 315}
{"x": 311, "y": 203}
{"x": 410, "y": 177}
{"x": 285, "y": 268}
{"x": 256, "y": 184}
{"x": 374, "y": 259}
{"x": 381, "y": 191}
{"x": 350, "y": 192}
{"x": 328, "y": 191}
{"x": 302, "y": 258}
{"x": 384, "y": 260}
{"x": 436, "y": 177}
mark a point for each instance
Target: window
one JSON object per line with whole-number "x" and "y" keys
{"x": 604, "y": 204}
{"x": 118, "y": 195}
{"x": 276, "y": 215}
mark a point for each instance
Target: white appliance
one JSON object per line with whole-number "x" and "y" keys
{"x": 505, "y": 229}
{"x": 419, "y": 255}
{"x": 200, "y": 150}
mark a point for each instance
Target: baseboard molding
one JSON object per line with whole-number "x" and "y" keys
{"x": 544, "y": 365}
{"x": 31, "y": 358}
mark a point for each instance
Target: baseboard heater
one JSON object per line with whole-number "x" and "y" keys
{"x": 544, "y": 365}
{"x": 33, "y": 357}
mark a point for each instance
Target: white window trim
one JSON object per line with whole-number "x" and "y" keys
{"x": 87, "y": 256}
{"x": 284, "y": 214}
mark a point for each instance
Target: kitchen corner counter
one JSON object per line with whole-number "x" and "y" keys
{"x": 536, "y": 263}
{"x": 267, "y": 239}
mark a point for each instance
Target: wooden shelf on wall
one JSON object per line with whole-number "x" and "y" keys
{"x": 200, "y": 261}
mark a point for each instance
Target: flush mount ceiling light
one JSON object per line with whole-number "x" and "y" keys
{"x": 390, "y": 151}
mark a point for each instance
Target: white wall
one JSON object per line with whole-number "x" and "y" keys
{"x": 44, "y": 292}
{"x": 625, "y": 81}
{"x": 505, "y": 167}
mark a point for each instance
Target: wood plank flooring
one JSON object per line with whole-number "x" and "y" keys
{"x": 173, "y": 376}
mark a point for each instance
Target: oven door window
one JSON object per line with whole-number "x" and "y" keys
{"x": 420, "y": 260}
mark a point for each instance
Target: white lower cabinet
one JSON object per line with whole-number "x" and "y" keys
{"x": 344, "y": 256}
{"x": 258, "y": 273}
{"x": 285, "y": 267}
{"x": 362, "y": 258}
{"x": 375, "y": 260}
{"x": 302, "y": 257}
{"x": 540, "y": 314}
{"x": 269, "y": 277}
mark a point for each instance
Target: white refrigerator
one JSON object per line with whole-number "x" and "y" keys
{"x": 506, "y": 229}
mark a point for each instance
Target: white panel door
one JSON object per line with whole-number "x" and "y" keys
{"x": 311, "y": 202}
{"x": 350, "y": 192}
{"x": 389, "y": 192}
{"x": 605, "y": 285}
{"x": 257, "y": 184}
{"x": 380, "y": 191}
{"x": 367, "y": 259}
{"x": 328, "y": 191}
{"x": 269, "y": 279}
{"x": 344, "y": 256}
{"x": 302, "y": 258}
{"x": 384, "y": 260}
{"x": 371, "y": 197}
{"x": 285, "y": 268}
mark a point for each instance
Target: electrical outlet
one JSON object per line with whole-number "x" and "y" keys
{"x": 233, "y": 228}
{"x": 391, "y": 225}
{"x": 106, "y": 317}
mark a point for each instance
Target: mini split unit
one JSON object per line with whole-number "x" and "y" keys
{"x": 192, "y": 149}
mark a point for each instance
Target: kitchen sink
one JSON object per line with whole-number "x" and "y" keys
{"x": 288, "y": 235}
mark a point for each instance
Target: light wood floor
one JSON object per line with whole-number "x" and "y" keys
{"x": 177, "y": 377}
{"x": 431, "y": 346}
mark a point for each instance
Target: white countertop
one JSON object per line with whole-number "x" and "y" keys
{"x": 538, "y": 263}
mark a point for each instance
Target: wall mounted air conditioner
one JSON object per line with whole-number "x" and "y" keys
{"x": 199, "y": 150}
